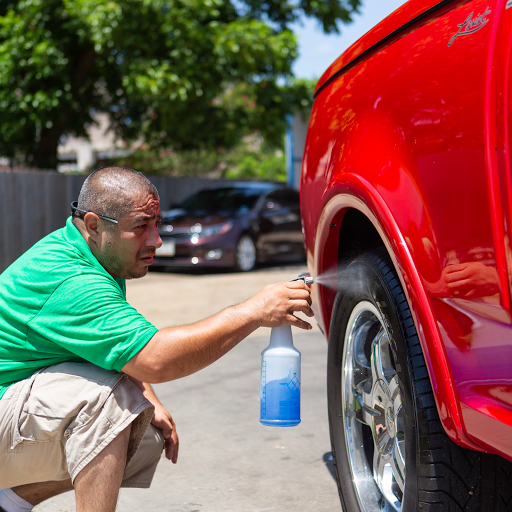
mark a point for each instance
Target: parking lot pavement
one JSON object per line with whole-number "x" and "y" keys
{"x": 228, "y": 461}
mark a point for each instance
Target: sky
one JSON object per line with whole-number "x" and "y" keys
{"x": 317, "y": 51}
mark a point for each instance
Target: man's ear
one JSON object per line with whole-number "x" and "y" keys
{"x": 93, "y": 226}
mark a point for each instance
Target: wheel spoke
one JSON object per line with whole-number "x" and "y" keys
{"x": 394, "y": 391}
{"x": 376, "y": 362}
{"x": 383, "y": 474}
{"x": 367, "y": 412}
{"x": 379, "y": 469}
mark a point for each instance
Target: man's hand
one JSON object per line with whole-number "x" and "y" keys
{"x": 276, "y": 303}
{"x": 163, "y": 420}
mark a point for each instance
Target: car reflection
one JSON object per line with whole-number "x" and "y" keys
{"x": 466, "y": 280}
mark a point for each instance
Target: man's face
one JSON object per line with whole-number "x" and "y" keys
{"x": 128, "y": 247}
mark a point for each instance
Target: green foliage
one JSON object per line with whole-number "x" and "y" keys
{"x": 183, "y": 73}
{"x": 266, "y": 164}
{"x": 284, "y": 12}
{"x": 251, "y": 159}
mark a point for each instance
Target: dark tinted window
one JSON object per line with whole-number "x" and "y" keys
{"x": 229, "y": 198}
{"x": 285, "y": 198}
{"x": 291, "y": 197}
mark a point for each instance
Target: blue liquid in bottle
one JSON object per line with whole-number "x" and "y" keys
{"x": 280, "y": 380}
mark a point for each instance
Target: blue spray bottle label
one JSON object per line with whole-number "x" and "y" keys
{"x": 280, "y": 381}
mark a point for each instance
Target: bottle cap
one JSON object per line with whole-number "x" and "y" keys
{"x": 281, "y": 335}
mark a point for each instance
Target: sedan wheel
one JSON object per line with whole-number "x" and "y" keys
{"x": 390, "y": 450}
{"x": 245, "y": 254}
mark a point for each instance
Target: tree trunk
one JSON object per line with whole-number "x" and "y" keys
{"x": 45, "y": 155}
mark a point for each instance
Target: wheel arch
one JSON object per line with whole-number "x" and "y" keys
{"x": 355, "y": 218}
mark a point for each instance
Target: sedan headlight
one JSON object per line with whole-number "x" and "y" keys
{"x": 217, "y": 229}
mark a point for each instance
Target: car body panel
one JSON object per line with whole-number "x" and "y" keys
{"x": 408, "y": 13}
{"x": 416, "y": 137}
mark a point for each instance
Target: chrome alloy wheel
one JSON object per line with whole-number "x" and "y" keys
{"x": 373, "y": 417}
{"x": 245, "y": 253}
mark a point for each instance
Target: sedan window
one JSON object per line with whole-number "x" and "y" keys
{"x": 229, "y": 198}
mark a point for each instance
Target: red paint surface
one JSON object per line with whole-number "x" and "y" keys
{"x": 403, "y": 15}
{"x": 417, "y": 137}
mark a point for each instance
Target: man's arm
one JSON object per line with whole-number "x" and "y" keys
{"x": 161, "y": 419}
{"x": 176, "y": 352}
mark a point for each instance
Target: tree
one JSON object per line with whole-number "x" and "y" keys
{"x": 250, "y": 159}
{"x": 186, "y": 73}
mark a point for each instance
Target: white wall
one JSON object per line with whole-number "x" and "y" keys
{"x": 295, "y": 143}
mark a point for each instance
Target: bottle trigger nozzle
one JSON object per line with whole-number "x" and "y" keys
{"x": 305, "y": 278}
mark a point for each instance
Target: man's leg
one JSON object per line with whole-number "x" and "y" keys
{"x": 139, "y": 472}
{"x": 56, "y": 461}
{"x": 97, "y": 485}
{"x": 37, "y": 493}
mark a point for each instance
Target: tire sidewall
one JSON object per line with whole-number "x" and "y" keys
{"x": 362, "y": 280}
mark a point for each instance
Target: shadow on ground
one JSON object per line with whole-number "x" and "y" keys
{"x": 327, "y": 458}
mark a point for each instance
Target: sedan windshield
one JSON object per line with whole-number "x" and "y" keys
{"x": 222, "y": 199}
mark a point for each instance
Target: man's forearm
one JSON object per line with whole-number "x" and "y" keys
{"x": 176, "y": 352}
{"x": 146, "y": 389}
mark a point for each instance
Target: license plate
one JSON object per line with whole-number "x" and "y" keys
{"x": 168, "y": 248}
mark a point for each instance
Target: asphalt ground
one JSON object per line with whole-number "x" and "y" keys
{"x": 228, "y": 461}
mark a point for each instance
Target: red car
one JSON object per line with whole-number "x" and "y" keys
{"x": 406, "y": 200}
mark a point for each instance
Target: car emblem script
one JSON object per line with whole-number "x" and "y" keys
{"x": 471, "y": 25}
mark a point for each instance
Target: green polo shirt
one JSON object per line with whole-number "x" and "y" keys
{"x": 58, "y": 304}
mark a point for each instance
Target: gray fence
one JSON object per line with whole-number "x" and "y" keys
{"x": 33, "y": 204}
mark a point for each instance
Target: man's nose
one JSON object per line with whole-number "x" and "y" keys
{"x": 154, "y": 239}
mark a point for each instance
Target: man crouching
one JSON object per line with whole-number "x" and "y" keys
{"x": 76, "y": 406}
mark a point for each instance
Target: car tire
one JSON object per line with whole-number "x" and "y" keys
{"x": 382, "y": 411}
{"x": 246, "y": 254}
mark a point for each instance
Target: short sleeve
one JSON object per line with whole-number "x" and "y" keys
{"x": 88, "y": 316}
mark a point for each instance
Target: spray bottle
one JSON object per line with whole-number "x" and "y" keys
{"x": 280, "y": 376}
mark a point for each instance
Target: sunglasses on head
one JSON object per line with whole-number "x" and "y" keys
{"x": 78, "y": 212}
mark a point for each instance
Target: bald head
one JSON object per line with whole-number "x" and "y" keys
{"x": 113, "y": 191}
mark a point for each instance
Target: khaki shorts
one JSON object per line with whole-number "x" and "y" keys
{"x": 55, "y": 422}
